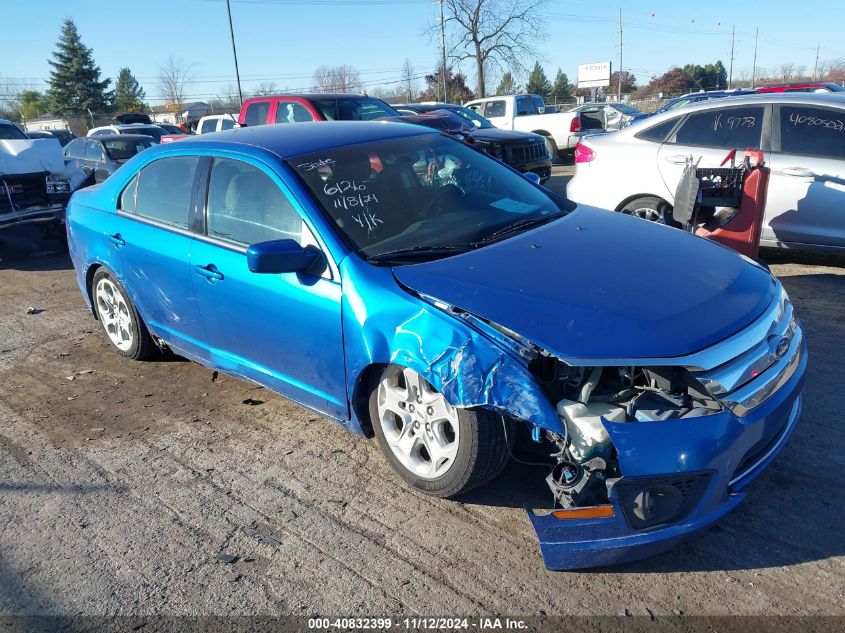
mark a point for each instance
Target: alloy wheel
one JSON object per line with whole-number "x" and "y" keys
{"x": 115, "y": 314}
{"x": 420, "y": 426}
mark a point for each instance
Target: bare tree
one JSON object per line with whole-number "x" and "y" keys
{"x": 343, "y": 78}
{"x": 265, "y": 89}
{"x": 408, "y": 79}
{"x": 787, "y": 70}
{"x": 801, "y": 71}
{"x": 499, "y": 33}
{"x": 174, "y": 77}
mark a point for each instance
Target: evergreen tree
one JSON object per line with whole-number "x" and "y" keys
{"x": 455, "y": 85}
{"x": 128, "y": 94}
{"x": 75, "y": 85}
{"x": 31, "y": 104}
{"x": 538, "y": 83}
{"x": 507, "y": 86}
{"x": 561, "y": 89}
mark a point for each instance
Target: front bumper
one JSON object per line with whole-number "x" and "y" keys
{"x": 732, "y": 449}
{"x": 41, "y": 213}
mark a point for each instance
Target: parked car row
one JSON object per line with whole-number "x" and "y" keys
{"x": 802, "y": 136}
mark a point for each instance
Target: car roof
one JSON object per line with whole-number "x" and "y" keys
{"x": 802, "y": 98}
{"x": 287, "y": 141}
{"x": 119, "y": 137}
{"x": 315, "y": 95}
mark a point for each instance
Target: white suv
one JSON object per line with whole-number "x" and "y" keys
{"x": 636, "y": 170}
{"x": 129, "y": 128}
{"x": 216, "y": 123}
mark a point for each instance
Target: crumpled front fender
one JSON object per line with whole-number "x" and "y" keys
{"x": 383, "y": 324}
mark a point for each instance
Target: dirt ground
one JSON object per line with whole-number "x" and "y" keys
{"x": 121, "y": 483}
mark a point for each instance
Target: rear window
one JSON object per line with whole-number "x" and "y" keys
{"x": 124, "y": 150}
{"x": 494, "y": 108}
{"x": 209, "y": 125}
{"x": 728, "y": 128}
{"x": 154, "y": 132}
{"x": 164, "y": 190}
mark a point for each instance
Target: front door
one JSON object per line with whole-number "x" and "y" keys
{"x": 806, "y": 198}
{"x": 709, "y": 135}
{"x": 281, "y": 330}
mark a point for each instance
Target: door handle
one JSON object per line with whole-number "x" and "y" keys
{"x": 116, "y": 240}
{"x": 210, "y": 272}
{"x": 800, "y": 172}
{"x": 677, "y": 159}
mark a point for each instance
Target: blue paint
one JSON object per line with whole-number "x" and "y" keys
{"x": 590, "y": 285}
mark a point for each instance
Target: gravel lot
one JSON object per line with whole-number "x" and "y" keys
{"x": 122, "y": 482}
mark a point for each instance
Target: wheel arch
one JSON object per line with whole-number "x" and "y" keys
{"x": 89, "y": 283}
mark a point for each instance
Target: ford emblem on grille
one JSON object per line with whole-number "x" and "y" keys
{"x": 781, "y": 347}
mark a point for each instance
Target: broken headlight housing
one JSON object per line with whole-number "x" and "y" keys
{"x": 57, "y": 185}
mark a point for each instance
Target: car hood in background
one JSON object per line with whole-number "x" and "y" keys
{"x": 495, "y": 135}
{"x": 603, "y": 285}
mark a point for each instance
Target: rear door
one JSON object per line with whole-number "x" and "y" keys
{"x": 281, "y": 330}
{"x": 709, "y": 135}
{"x": 806, "y": 197}
{"x": 150, "y": 242}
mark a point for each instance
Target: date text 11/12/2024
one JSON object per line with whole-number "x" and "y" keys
{"x": 416, "y": 623}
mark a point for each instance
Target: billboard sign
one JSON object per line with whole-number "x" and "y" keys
{"x": 596, "y": 75}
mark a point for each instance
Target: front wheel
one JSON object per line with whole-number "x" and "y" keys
{"x": 439, "y": 449}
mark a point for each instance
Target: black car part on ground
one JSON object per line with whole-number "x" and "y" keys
{"x": 25, "y": 197}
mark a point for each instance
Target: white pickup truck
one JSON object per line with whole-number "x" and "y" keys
{"x": 528, "y": 113}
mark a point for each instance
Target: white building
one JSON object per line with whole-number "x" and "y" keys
{"x": 47, "y": 122}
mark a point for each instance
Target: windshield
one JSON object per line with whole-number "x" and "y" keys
{"x": 11, "y": 132}
{"x": 124, "y": 150}
{"x": 353, "y": 108}
{"x": 421, "y": 192}
{"x": 626, "y": 109}
{"x": 476, "y": 118}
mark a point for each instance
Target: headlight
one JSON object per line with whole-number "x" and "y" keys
{"x": 57, "y": 185}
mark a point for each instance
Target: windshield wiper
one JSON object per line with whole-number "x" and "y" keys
{"x": 421, "y": 251}
{"x": 520, "y": 226}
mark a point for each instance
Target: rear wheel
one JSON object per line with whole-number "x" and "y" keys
{"x": 123, "y": 327}
{"x": 652, "y": 209}
{"x": 439, "y": 449}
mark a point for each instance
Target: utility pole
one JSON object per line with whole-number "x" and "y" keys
{"x": 619, "y": 71}
{"x": 731, "y": 72}
{"x": 234, "y": 52}
{"x": 816, "y": 65}
{"x": 443, "y": 51}
{"x": 754, "y": 64}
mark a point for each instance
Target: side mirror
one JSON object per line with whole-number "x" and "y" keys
{"x": 530, "y": 176}
{"x": 284, "y": 256}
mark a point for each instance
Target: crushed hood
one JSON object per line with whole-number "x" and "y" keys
{"x": 30, "y": 156}
{"x": 603, "y": 285}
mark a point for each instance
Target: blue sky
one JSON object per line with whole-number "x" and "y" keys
{"x": 285, "y": 40}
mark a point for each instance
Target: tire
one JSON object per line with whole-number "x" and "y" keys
{"x": 468, "y": 447}
{"x": 551, "y": 146}
{"x": 652, "y": 209}
{"x": 124, "y": 328}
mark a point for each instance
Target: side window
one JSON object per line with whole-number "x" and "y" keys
{"x": 476, "y": 107}
{"x": 256, "y": 113}
{"x": 227, "y": 124}
{"x": 657, "y": 133}
{"x": 93, "y": 151}
{"x": 494, "y": 108}
{"x": 246, "y": 206}
{"x": 812, "y": 131}
{"x": 76, "y": 149}
{"x": 291, "y": 112}
{"x": 524, "y": 105}
{"x": 209, "y": 125}
{"x": 127, "y": 197}
{"x": 164, "y": 190}
{"x": 727, "y": 127}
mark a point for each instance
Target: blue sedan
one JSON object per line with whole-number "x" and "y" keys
{"x": 409, "y": 287}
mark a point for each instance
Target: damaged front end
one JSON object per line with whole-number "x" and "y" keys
{"x": 652, "y": 453}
